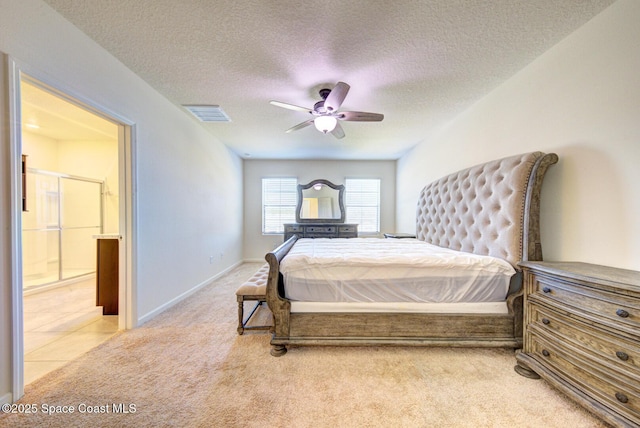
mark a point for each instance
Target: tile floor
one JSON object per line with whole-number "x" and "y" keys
{"x": 60, "y": 325}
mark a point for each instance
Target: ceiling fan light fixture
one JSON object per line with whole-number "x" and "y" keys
{"x": 325, "y": 124}
{"x": 327, "y": 112}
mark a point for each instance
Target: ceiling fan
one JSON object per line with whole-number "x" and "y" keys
{"x": 325, "y": 113}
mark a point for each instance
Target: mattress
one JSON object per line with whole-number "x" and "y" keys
{"x": 391, "y": 270}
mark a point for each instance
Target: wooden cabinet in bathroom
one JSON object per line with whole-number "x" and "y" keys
{"x": 107, "y": 275}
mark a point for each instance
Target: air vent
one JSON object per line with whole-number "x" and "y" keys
{"x": 208, "y": 113}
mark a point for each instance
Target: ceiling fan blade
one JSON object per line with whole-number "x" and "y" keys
{"x": 300, "y": 126}
{"x": 338, "y": 132}
{"x": 359, "y": 116}
{"x": 290, "y": 106}
{"x": 336, "y": 96}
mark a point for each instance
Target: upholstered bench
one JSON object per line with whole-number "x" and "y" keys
{"x": 254, "y": 289}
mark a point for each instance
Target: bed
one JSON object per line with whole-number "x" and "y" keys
{"x": 456, "y": 284}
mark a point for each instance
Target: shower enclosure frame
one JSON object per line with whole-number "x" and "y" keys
{"x": 61, "y": 279}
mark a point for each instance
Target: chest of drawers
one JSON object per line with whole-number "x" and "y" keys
{"x": 320, "y": 230}
{"x": 582, "y": 335}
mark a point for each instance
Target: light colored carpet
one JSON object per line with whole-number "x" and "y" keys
{"x": 188, "y": 368}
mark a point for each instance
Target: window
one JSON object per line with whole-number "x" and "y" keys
{"x": 279, "y": 196}
{"x": 362, "y": 202}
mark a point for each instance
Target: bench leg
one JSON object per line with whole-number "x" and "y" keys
{"x": 240, "y": 316}
{"x": 242, "y": 323}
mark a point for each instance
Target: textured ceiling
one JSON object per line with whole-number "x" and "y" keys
{"x": 418, "y": 62}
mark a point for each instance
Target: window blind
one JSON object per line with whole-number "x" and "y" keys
{"x": 279, "y": 196}
{"x": 362, "y": 203}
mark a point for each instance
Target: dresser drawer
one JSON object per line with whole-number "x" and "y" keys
{"x": 292, "y": 228}
{"x": 319, "y": 229}
{"x": 350, "y": 231}
{"x": 622, "y": 354}
{"x": 317, "y": 235}
{"x": 616, "y": 310}
{"x": 614, "y": 390}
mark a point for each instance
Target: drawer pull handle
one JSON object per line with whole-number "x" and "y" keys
{"x": 622, "y": 313}
{"x": 546, "y": 290}
{"x": 622, "y": 355}
{"x": 545, "y": 353}
{"x": 545, "y": 321}
{"x": 621, "y": 397}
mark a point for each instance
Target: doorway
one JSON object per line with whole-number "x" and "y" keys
{"x": 70, "y": 160}
{"x": 75, "y": 189}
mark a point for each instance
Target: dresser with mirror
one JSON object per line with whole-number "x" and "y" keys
{"x": 320, "y": 212}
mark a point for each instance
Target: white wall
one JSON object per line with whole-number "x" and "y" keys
{"x": 41, "y": 151}
{"x": 256, "y": 245}
{"x": 581, "y": 100}
{"x": 187, "y": 185}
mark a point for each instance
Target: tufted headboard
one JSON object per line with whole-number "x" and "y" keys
{"x": 489, "y": 209}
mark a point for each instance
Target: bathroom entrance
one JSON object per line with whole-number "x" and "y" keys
{"x": 71, "y": 181}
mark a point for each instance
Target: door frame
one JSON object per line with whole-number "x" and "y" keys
{"x": 127, "y": 317}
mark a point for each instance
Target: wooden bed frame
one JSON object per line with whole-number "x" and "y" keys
{"x": 490, "y": 209}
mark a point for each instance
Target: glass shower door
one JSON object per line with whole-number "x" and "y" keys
{"x": 41, "y": 231}
{"x": 81, "y": 218}
{"x": 57, "y": 231}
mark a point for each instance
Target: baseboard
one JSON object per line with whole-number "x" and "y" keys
{"x": 6, "y": 398}
{"x": 184, "y": 295}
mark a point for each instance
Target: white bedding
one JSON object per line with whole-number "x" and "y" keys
{"x": 390, "y": 270}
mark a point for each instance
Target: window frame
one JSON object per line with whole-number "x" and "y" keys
{"x": 292, "y": 193}
{"x": 378, "y": 205}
